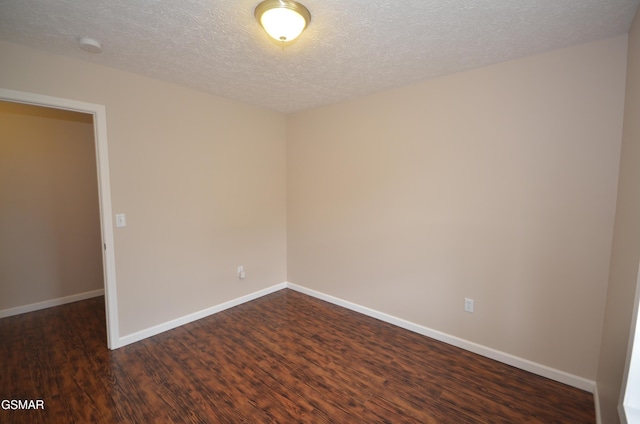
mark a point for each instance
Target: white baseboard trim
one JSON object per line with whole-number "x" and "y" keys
{"x": 596, "y": 403}
{"x": 170, "y": 325}
{"x": 524, "y": 364}
{"x": 50, "y": 303}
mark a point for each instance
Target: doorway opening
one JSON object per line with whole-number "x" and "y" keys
{"x": 98, "y": 115}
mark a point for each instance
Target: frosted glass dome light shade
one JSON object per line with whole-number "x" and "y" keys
{"x": 283, "y": 20}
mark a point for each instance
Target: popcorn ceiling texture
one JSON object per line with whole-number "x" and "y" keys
{"x": 351, "y": 48}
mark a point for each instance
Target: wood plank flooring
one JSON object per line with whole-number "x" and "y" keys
{"x": 283, "y": 358}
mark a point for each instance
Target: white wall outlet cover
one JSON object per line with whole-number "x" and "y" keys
{"x": 241, "y": 274}
{"x": 468, "y": 304}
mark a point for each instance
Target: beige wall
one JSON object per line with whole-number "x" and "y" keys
{"x": 626, "y": 244}
{"x": 49, "y": 220}
{"x": 201, "y": 179}
{"x": 497, "y": 184}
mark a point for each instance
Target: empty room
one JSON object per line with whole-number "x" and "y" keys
{"x": 382, "y": 212}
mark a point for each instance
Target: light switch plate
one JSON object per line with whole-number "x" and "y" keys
{"x": 121, "y": 220}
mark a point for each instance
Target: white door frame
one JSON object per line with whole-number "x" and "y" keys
{"x": 104, "y": 193}
{"x": 629, "y": 403}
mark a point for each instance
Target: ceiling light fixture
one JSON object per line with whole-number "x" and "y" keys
{"x": 283, "y": 20}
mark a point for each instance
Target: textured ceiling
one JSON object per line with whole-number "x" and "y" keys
{"x": 351, "y": 48}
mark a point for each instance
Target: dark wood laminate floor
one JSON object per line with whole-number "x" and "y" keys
{"x": 284, "y": 358}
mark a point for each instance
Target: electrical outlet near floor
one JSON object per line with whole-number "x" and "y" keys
{"x": 241, "y": 274}
{"x": 468, "y": 304}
